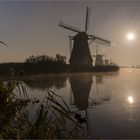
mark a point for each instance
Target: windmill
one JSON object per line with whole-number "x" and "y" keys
{"x": 80, "y": 55}
{"x": 98, "y": 58}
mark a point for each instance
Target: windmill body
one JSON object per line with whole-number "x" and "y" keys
{"x": 80, "y": 55}
{"x": 99, "y": 60}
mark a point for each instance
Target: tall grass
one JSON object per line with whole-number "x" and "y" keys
{"x": 52, "y": 117}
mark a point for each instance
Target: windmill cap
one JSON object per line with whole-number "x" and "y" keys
{"x": 81, "y": 36}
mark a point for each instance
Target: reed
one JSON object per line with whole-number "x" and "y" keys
{"x": 52, "y": 116}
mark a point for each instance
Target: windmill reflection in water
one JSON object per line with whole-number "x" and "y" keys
{"x": 82, "y": 97}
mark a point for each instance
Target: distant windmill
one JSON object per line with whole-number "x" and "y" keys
{"x": 98, "y": 57}
{"x": 80, "y": 52}
{"x": 106, "y": 60}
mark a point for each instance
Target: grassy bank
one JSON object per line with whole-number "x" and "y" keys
{"x": 32, "y": 69}
{"x": 44, "y": 64}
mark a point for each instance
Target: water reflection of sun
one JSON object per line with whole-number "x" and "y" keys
{"x": 130, "y": 99}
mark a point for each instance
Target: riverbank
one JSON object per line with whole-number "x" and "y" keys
{"x": 20, "y": 69}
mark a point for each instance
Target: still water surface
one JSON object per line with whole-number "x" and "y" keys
{"x": 110, "y": 102}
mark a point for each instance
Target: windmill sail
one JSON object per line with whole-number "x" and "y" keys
{"x": 66, "y": 26}
{"x": 102, "y": 43}
{"x": 3, "y": 43}
{"x": 87, "y": 20}
{"x": 100, "y": 39}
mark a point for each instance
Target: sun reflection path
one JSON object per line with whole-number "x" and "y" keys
{"x": 130, "y": 99}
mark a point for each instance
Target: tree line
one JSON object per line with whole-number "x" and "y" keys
{"x": 46, "y": 59}
{"x": 39, "y": 64}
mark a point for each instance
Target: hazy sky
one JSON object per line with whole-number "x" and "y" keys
{"x": 31, "y": 27}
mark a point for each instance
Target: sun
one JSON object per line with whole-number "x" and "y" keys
{"x": 130, "y": 36}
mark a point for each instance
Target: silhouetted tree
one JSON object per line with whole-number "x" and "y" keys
{"x": 46, "y": 59}
{"x": 61, "y": 59}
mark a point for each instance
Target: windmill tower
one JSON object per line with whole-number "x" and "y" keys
{"x": 80, "y": 53}
{"x": 98, "y": 58}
